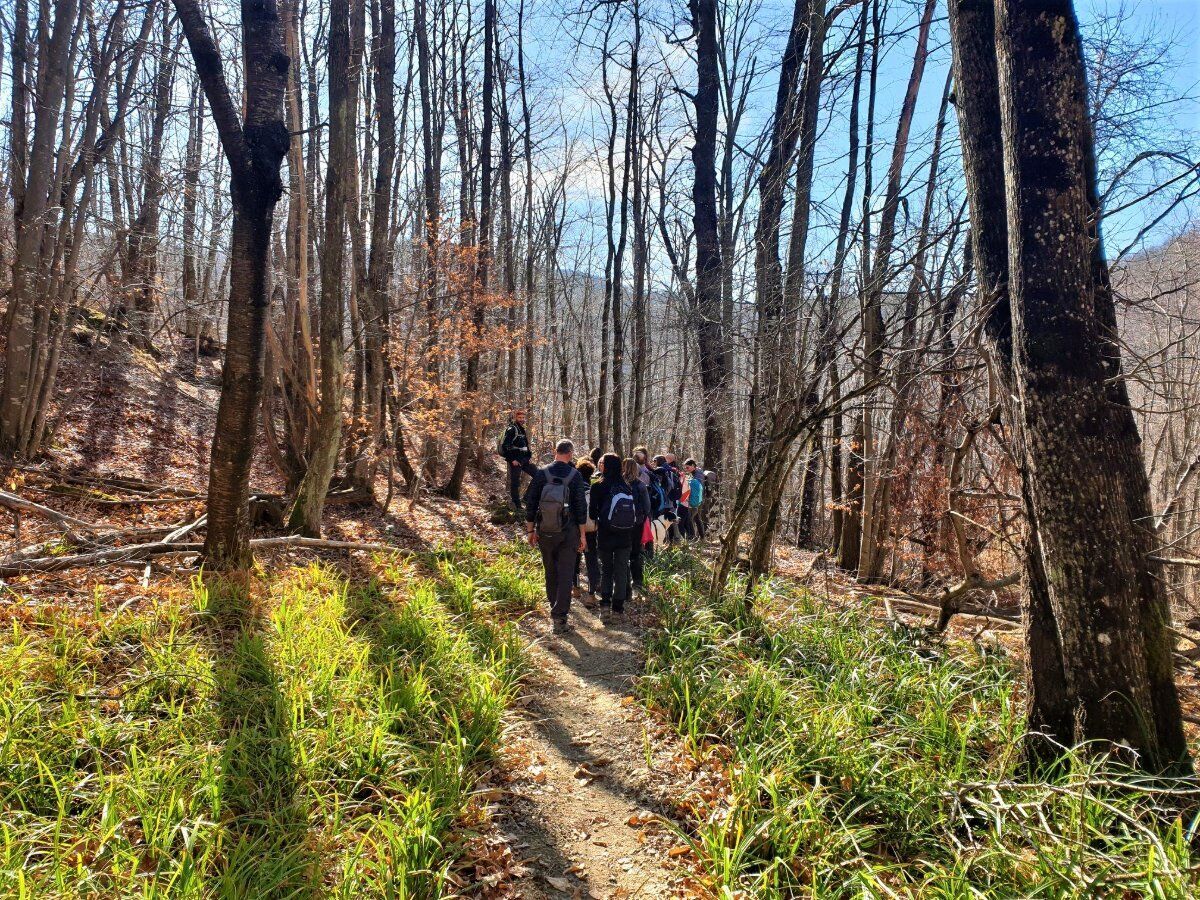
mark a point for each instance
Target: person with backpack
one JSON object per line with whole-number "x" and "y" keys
{"x": 590, "y": 557}
{"x": 696, "y": 498}
{"x": 637, "y": 573}
{"x": 613, "y": 504}
{"x": 686, "y": 530}
{"x": 669, "y": 478}
{"x": 556, "y": 510}
{"x": 518, "y": 456}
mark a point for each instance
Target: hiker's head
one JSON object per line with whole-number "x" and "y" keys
{"x": 586, "y": 468}
{"x": 641, "y": 455}
{"x": 595, "y": 455}
{"x": 660, "y": 461}
{"x": 564, "y": 450}
{"x": 630, "y": 470}
{"x": 670, "y": 458}
{"x": 690, "y": 465}
{"x": 610, "y": 466}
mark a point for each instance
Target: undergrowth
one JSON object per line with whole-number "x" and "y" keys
{"x": 865, "y": 761}
{"x": 322, "y": 737}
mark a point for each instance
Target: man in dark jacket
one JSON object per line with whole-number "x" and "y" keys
{"x": 562, "y": 541}
{"x": 515, "y": 449}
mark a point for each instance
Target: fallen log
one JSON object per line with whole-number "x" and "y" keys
{"x": 140, "y": 552}
{"x": 64, "y": 521}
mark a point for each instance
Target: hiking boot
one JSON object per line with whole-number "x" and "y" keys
{"x": 589, "y": 600}
{"x": 561, "y": 626}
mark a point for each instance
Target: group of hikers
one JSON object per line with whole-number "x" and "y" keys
{"x": 610, "y": 511}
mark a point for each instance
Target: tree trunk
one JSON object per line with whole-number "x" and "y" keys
{"x": 344, "y": 59}
{"x": 714, "y": 352}
{"x": 255, "y": 149}
{"x": 1084, "y": 472}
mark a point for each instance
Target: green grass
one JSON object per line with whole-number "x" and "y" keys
{"x": 865, "y": 761}
{"x": 320, "y": 738}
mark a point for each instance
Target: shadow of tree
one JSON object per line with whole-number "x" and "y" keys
{"x": 265, "y": 847}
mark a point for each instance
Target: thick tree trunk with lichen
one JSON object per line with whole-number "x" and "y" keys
{"x": 1084, "y": 471}
{"x": 972, "y": 34}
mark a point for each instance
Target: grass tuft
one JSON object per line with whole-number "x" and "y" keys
{"x": 317, "y": 737}
{"x": 865, "y": 761}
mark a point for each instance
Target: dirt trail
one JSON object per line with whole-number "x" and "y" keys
{"x": 577, "y": 812}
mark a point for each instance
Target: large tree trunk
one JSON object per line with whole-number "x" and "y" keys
{"x": 255, "y": 149}
{"x": 973, "y": 38}
{"x": 715, "y": 354}
{"x": 344, "y": 58}
{"x": 1084, "y": 471}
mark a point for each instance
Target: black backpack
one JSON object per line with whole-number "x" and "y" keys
{"x": 554, "y": 503}
{"x": 621, "y": 514}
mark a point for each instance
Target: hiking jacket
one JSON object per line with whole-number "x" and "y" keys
{"x": 697, "y": 495}
{"x": 515, "y": 445}
{"x": 577, "y": 491}
{"x": 601, "y": 496}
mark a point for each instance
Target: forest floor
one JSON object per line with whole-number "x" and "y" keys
{"x": 381, "y": 724}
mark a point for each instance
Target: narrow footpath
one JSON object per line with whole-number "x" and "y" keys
{"x": 591, "y": 771}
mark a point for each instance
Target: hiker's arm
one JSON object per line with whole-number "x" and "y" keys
{"x": 533, "y": 496}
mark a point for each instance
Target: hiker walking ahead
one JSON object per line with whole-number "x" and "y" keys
{"x": 613, "y": 503}
{"x": 514, "y": 447}
{"x": 637, "y": 563}
{"x": 555, "y": 512}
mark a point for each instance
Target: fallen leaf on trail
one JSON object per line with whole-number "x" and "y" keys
{"x": 559, "y": 884}
{"x": 678, "y": 851}
{"x": 602, "y": 761}
{"x": 640, "y": 818}
{"x": 627, "y": 701}
{"x": 576, "y": 869}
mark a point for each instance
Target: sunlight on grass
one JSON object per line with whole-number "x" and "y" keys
{"x": 865, "y": 761}
{"x": 321, "y": 738}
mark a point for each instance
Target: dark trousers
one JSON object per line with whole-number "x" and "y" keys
{"x": 614, "y": 570}
{"x": 698, "y": 524}
{"x": 637, "y": 570}
{"x": 686, "y": 530}
{"x": 560, "y": 552}
{"x": 514, "y": 480}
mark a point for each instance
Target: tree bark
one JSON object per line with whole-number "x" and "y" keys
{"x": 344, "y": 59}
{"x": 714, "y": 353}
{"x": 972, "y": 35}
{"x": 255, "y": 149}
{"x": 1084, "y": 471}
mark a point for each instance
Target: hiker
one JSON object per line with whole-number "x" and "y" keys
{"x": 673, "y": 484}
{"x": 592, "y": 560}
{"x": 514, "y": 447}
{"x": 614, "y": 506}
{"x": 662, "y": 510}
{"x": 695, "y": 477}
{"x": 595, "y": 457}
{"x": 555, "y": 513}
{"x": 637, "y": 571}
{"x": 685, "y": 506}
{"x": 641, "y": 456}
